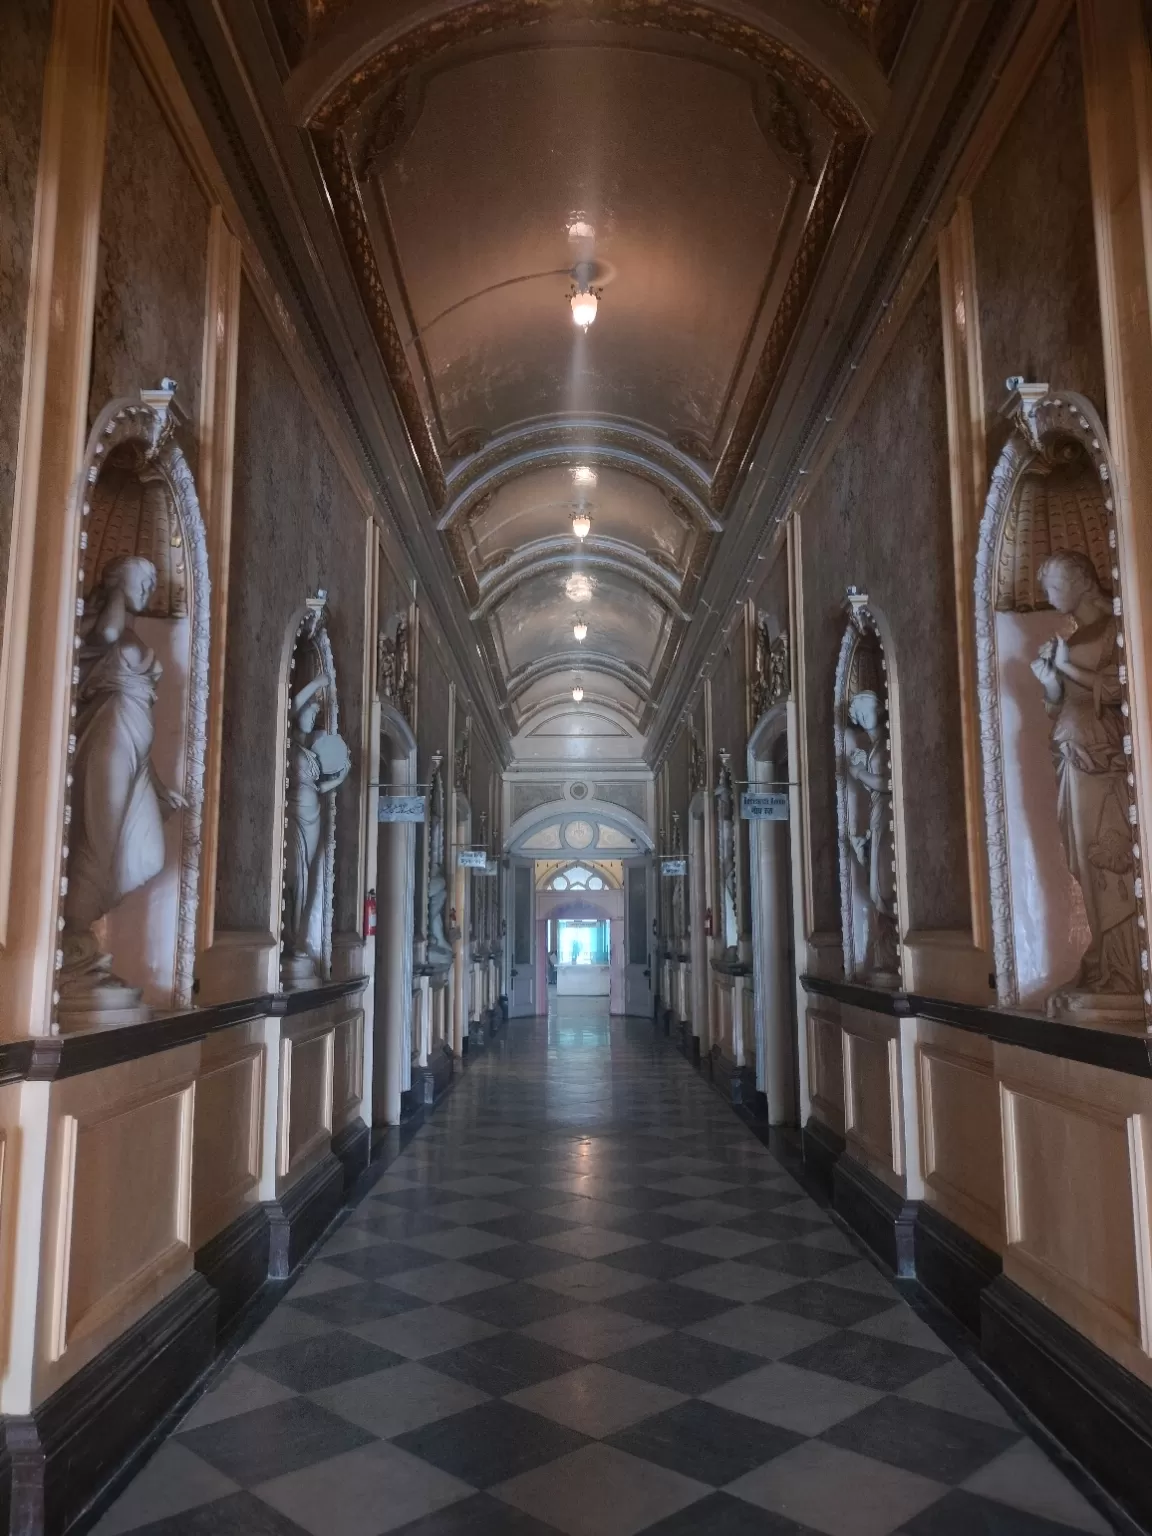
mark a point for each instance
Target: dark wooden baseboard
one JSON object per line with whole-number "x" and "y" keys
{"x": 61, "y": 1456}
{"x": 235, "y": 1261}
{"x": 822, "y": 1148}
{"x": 301, "y": 1214}
{"x": 953, "y": 1266}
{"x": 876, "y": 1213}
{"x": 1101, "y": 1412}
{"x": 738, "y": 1084}
{"x": 353, "y": 1147}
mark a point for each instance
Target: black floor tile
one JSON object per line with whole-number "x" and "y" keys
{"x": 868, "y": 1362}
{"x": 771, "y": 1224}
{"x": 684, "y": 1363}
{"x": 481, "y": 1515}
{"x": 671, "y": 1306}
{"x": 963, "y": 1514}
{"x": 504, "y": 1363}
{"x": 382, "y": 1260}
{"x": 831, "y": 1304}
{"x": 705, "y": 1442}
{"x": 309, "y": 1364}
{"x": 240, "y": 1514}
{"x": 721, "y": 1515}
{"x": 348, "y": 1305}
{"x": 390, "y": 1222}
{"x": 490, "y": 1443}
{"x": 526, "y": 1225}
{"x": 796, "y": 1259}
{"x": 252, "y": 1447}
{"x": 944, "y": 1446}
{"x": 521, "y": 1261}
{"x": 513, "y": 1306}
{"x": 657, "y": 1261}
{"x": 652, "y": 1225}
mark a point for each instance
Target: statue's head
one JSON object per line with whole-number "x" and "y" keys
{"x": 864, "y": 710}
{"x": 134, "y": 578}
{"x": 309, "y": 715}
{"x": 1067, "y": 579}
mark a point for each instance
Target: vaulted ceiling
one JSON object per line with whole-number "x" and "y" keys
{"x": 692, "y": 161}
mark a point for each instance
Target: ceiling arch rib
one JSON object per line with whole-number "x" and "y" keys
{"x": 654, "y": 579}
{"x": 600, "y": 662}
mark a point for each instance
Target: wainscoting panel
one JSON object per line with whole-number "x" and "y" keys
{"x": 960, "y": 1131}
{"x": 1076, "y": 1196}
{"x": 228, "y": 1130}
{"x": 348, "y": 1069}
{"x": 872, "y": 1094}
{"x": 119, "y": 1197}
{"x": 305, "y": 1109}
{"x": 826, "y": 1069}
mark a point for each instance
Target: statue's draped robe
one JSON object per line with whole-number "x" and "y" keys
{"x": 1092, "y": 806}
{"x": 304, "y": 818}
{"x": 117, "y": 835}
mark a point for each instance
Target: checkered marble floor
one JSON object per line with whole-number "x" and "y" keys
{"x": 585, "y": 1300}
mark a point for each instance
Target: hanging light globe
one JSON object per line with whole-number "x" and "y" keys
{"x": 580, "y": 629}
{"x": 577, "y": 693}
{"x": 581, "y": 525}
{"x": 584, "y": 302}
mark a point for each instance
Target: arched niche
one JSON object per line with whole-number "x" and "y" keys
{"x": 315, "y": 761}
{"x": 868, "y": 823}
{"x": 1066, "y": 918}
{"x": 139, "y": 703}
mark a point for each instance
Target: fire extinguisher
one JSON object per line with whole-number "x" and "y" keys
{"x": 370, "y": 914}
{"x": 707, "y": 922}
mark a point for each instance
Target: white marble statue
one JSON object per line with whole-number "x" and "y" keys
{"x": 318, "y": 763}
{"x": 1080, "y": 676}
{"x": 116, "y": 837}
{"x": 867, "y": 763}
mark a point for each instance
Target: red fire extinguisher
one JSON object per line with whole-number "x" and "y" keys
{"x": 370, "y": 914}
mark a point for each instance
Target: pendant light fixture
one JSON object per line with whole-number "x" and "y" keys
{"x": 581, "y": 525}
{"x": 577, "y": 694}
{"x": 580, "y": 629}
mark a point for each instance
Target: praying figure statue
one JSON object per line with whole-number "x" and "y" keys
{"x": 116, "y": 835}
{"x": 1080, "y": 676}
{"x": 318, "y": 763}
{"x": 868, "y": 764}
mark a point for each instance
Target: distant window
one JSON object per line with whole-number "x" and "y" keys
{"x": 577, "y": 877}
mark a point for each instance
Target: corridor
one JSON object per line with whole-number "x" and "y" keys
{"x": 586, "y": 1300}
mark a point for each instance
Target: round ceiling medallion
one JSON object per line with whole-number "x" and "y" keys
{"x": 579, "y": 834}
{"x": 578, "y": 791}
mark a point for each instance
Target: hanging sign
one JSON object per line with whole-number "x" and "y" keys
{"x": 671, "y": 867}
{"x": 491, "y": 868}
{"x": 400, "y": 807}
{"x": 764, "y": 805}
{"x": 471, "y": 858}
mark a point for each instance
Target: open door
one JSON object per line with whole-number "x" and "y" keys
{"x": 638, "y": 948}
{"x": 522, "y": 977}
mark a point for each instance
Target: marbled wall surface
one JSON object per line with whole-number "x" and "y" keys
{"x": 772, "y": 596}
{"x": 296, "y": 527}
{"x": 393, "y": 597}
{"x": 153, "y": 254}
{"x": 1035, "y": 249}
{"x": 24, "y": 31}
{"x": 880, "y": 519}
{"x": 432, "y": 709}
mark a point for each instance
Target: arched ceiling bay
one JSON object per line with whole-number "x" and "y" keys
{"x": 687, "y": 161}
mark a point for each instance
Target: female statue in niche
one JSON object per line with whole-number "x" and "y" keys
{"x": 116, "y": 836}
{"x": 867, "y": 763}
{"x": 318, "y": 763}
{"x": 1080, "y": 676}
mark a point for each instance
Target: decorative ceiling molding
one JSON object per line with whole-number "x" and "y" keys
{"x": 626, "y": 672}
{"x": 654, "y": 579}
{"x": 340, "y": 176}
{"x": 481, "y": 18}
{"x": 561, "y": 702}
{"x": 602, "y": 444}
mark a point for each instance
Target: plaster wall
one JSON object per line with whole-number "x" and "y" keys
{"x": 24, "y": 31}
{"x": 296, "y": 527}
{"x": 879, "y": 518}
{"x": 150, "y": 282}
{"x": 1037, "y": 286}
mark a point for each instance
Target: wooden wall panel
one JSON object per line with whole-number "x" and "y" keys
{"x": 1076, "y": 1196}
{"x": 305, "y": 1111}
{"x": 826, "y": 1069}
{"x": 347, "y": 1069}
{"x": 960, "y": 1131}
{"x": 228, "y": 1130}
{"x": 119, "y": 1197}
{"x": 871, "y": 1099}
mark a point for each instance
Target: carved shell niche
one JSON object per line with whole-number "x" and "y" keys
{"x": 1058, "y": 507}
{"x": 133, "y": 514}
